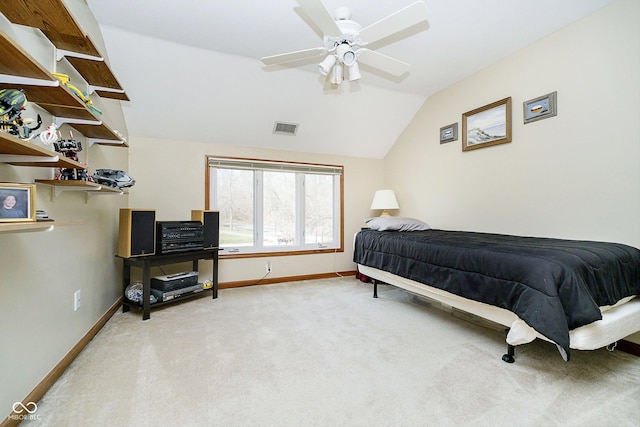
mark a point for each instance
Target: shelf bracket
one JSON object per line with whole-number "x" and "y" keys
{"x": 57, "y": 190}
{"x": 104, "y": 89}
{"x": 91, "y": 141}
{"x": 17, "y": 158}
{"x": 88, "y": 194}
{"x": 28, "y": 81}
{"x": 61, "y": 53}
{"x": 59, "y": 121}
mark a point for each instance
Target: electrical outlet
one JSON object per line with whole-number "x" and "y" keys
{"x": 268, "y": 267}
{"x": 76, "y": 300}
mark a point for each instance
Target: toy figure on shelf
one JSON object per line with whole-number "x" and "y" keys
{"x": 50, "y": 135}
{"x": 113, "y": 178}
{"x": 70, "y": 149}
{"x": 12, "y": 104}
{"x": 65, "y": 80}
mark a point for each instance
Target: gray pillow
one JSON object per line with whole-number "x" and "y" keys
{"x": 396, "y": 223}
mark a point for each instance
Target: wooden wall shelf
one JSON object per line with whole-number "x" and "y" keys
{"x": 90, "y": 188}
{"x": 56, "y": 22}
{"x": 20, "y": 62}
{"x": 22, "y": 227}
{"x": 47, "y": 92}
{"x": 23, "y": 153}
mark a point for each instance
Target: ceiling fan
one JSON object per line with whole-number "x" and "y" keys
{"x": 345, "y": 40}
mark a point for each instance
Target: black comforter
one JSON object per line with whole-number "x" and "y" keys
{"x": 553, "y": 285}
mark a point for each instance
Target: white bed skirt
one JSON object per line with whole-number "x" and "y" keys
{"x": 617, "y": 322}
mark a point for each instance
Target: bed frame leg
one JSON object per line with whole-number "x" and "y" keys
{"x": 510, "y": 351}
{"x": 375, "y": 288}
{"x": 509, "y": 356}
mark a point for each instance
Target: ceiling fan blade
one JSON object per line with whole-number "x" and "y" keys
{"x": 293, "y": 56}
{"x": 411, "y": 15}
{"x": 382, "y": 62}
{"x": 321, "y": 16}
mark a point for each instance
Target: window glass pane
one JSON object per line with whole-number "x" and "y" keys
{"x": 234, "y": 195}
{"x": 319, "y": 209}
{"x": 279, "y": 208}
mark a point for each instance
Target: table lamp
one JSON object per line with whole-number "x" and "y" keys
{"x": 384, "y": 199}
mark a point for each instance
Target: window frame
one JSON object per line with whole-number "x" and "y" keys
{"x": 287, "y": 166}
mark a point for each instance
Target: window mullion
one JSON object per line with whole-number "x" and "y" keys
{"x": 259, "y": 209}
{"x": 300, "y": 210}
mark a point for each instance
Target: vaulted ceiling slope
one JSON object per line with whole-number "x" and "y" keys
{"x": 192, "y": 68}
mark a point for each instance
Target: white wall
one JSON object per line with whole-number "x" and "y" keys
{"x": 576, "y": 175}
{"x": 170, "y": 178}
{"x": 573, "y": 176}
{"x": 40, "y": 271}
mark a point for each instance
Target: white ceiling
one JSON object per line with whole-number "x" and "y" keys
{"x": 192, "y": 69}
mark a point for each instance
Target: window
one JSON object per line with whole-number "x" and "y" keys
{"x": 268, "y": 206}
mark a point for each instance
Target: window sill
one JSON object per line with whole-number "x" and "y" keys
{"x": 234, "y": 255}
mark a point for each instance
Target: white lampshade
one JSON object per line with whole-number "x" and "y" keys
{"x": 354, "y": 72}
{"x": 326, "y": 65}
{"x": 336, "y": 75}
{"x": 385, "y": 199}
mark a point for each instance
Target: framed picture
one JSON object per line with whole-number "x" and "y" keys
{"x": 539, "y": 108}
{"x": 486, "y": 126}
{"x": 449, "y": 133}
{"x": 17, "y": 202}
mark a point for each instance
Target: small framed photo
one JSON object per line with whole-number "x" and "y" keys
{"x": 486, "y": 126}
{"x": 449, "y": 133}
{"x": 540, "y": 108}
{"x": 17, "y": 202}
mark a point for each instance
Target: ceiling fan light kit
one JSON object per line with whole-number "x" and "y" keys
{"x": 344, "y": 40}
{"x": 326, "y": 65}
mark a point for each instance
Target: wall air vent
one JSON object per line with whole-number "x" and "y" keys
{"x": 282, "y": 128}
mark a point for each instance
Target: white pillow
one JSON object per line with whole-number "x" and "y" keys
{"x": 396, "y": 223}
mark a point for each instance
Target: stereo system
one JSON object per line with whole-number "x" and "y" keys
{"x": 141, "y": 235}
{"x": 178, "y": 236}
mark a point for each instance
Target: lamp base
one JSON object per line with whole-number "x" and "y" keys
{"x": 385, "y": 213}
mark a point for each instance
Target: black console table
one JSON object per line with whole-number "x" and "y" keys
{"x": 148, "y": 261}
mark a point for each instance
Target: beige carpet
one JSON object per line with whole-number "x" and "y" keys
{"x": 325, "y": 353}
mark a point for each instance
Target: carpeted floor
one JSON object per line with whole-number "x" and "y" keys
{"x": 325, "y": 353}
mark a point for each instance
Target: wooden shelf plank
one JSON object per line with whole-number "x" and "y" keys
{"x": 21, "y": 63}
{"x": 113, "y": 95}
{"x": 18, "y": 227}
{"x": 97, "y": 72}
{"x": 80, "y": 185}
{"x": 10, "y": 145}
{"x": 53, "y": 18}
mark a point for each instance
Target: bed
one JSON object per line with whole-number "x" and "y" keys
{"x": 576, "y": 294}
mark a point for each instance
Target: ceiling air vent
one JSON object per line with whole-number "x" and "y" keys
{"x": 282, "y": 128}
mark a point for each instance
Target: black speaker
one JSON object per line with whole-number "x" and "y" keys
{"x": 211, "y": 222}
{"x": 137, "y": 233}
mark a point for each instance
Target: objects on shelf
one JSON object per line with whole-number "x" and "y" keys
{"x": 12, "y": 103}
{"x": 41, "y": 214}
{"x": 50, "y": 135}
{"x": 113, "y": 178}
{"x": 70, "y": 149}
{"x": 134, "y": 293}
{"x": 65, "y": 80}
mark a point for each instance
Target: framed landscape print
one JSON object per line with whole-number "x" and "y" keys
{"x": 487, "y": 126}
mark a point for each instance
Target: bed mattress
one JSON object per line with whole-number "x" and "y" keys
{"x": 553, "y": 285}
